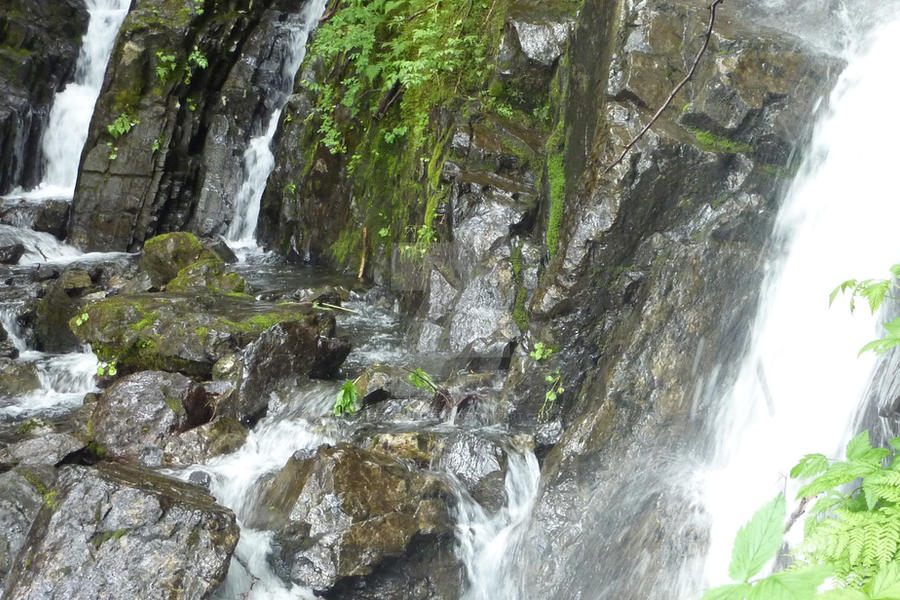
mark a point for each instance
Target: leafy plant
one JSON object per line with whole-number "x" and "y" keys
{"x": 345, "y": 401}
{"x": 852, "y": 536}
{"x": 107, "y": 368}
{"x": 874, "y": 291}
{"x": 540, "y": 351}
{"x": 113, "y": 153}
{"x": 422, "y": 380}
{"x": 81, "y": 319}
{"x": 556, "y": 388}
{"x": 165, "y": 65}
{"x": 195, "y": 59}
{"x": 122, "y": 125}
{"x": 198, "y": 7}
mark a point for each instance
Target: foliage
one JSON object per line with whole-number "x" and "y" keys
{"x": 107, "y": 368}
{"x": 556, "y": 388}
{"x": 874, "y": 291}
{"x": 195, "y": 59}
{"x": 851, "y": 535}
{"x": 81, "y": 319}
{"x": 165, "y": 65}
{"x": 122, "y": 125}
{"x": 345, "y": 401}
{"x": 422, "y": 380}
{"x": 540, "y": 351}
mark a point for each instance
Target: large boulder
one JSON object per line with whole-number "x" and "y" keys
{"x": 61, "y": 302}
{"x": 342, "y": 513}
{"x": 188, "y": 333}
{"x": 115, "y": 532}
{"x": 22, "y": 492}
{"x": 165, "y": 255}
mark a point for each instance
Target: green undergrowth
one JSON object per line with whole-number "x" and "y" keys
{"x": 707, "y": 140}
{"x": 393, "y": 73}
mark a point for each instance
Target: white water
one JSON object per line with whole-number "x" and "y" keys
{"x": 258, "y": 158}
{"x": 801, "y": 382}
{"x": 235, "y": 478}
{"x": 487, "y": 542}
{"x": 72, "y": 109}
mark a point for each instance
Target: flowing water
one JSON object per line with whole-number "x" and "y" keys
{"x": 802, "y": 381}
{"x": 70, "y": 116}
{"x": 258, "y": 158}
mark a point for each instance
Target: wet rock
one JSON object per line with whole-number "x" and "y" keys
{"x": 44, "y": 449}
{"x": 59, "y": 304}
{"x": 189, "y": 332}
{"x": 49, "y": 215}
{"x": 17, "y": 378}
{"x": 181, "y": 166}
{"x": 218, "y": 248}
{"x": 138, "y": 416}
{"x": 7, "y": 348}
{"x": 342, "y": 512}
{"x": 380, "y": 382}
{"x": 165, "y": 255}
{"x": 114, "y": 531}
{"x": 210, "y": 275}
{"x": 39, "y": 43}
{"x": 414, "y": 446}
{"x": 222, "y": 435}
{"x": 284, "y": 356}
{"x": 478, "y": 463}
{"x": 10, "y": 255}
{"x": 22, "y": 492}
{"x": 542, "y": 42}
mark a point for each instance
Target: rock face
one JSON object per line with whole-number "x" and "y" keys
{"x": 342, "y": 513}
{"x": 194, "y": 106}
{"x": 39, "y": 43}
{"x": 21, "y": 496}
{"x": 120, "y": 532}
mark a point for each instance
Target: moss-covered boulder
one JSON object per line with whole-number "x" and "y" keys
{"x": 208, "y": 274}
{"x": 165, "y": 255}
{"x": 186, "y": 333}
{"x": 59, "y": 304}
{"x": 341, "y": 513}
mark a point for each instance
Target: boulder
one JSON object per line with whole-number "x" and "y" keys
{"x": 222, "y": 435}
{"x": 341, "y": 512}
{"x": 10, "y": 255}
{"x": 59, "y": 304}
{"x": 165, "y": 255}
{"x": 114, "y": 531}
{"x": 189, "y": 332}
{"x": 49, "y": 215}
{"x": 208, "y": 274}
{"x": 139, "y": 415}
{"x": 47, "y": 448}
{"x": 17, "y": 378}
{"x": 22, "y": 491}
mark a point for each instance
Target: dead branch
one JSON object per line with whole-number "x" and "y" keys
{"x": 675, "y": 90}
{"x": 422, "y": 12}
{"x": 330, "y": 12}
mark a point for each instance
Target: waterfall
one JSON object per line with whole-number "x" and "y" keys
{"x": 801, "y": 381}
{"x": 73, "y": 107}
{"x": 258, "y": 158}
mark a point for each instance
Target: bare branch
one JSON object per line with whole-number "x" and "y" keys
{"x": 675, "y": 90}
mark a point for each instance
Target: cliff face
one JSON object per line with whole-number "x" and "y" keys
{"x": 39, "y": 44}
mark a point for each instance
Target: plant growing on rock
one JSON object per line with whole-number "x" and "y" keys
{"x": 122, "y": 125}
{"x": 346, "y": 399}
{"x": 874, "y": 291}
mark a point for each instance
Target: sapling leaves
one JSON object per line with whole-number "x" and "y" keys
{"x": 345, "y": 401}
{"x": 758, "y": 541}
{"x": 737, "y": 591}
{"x": 809, "y": 465}
{"x": 422, "y": 380}
{"x": 798, "y": 584}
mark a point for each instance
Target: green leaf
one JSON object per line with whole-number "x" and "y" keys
{"x": 800, "y": 584}
{"x": 757, "y": 542}
{"x": 886, "y": 583}
{"x": 737, "y": 591}
{"x": 895, "y": 443}
{"x": 858, "y": 446}
{"x": 422, "y": 380}
{"x": 844, "y": 594}
{"x": 809, "y": 465}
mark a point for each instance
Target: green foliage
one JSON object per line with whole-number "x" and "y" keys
{"x": 345, "y": 401}
{"x": 122, "y": 125}
{"x": 851, "y": 535}
{"x": 556, "y": 388}
{"x": 107, "y": 368}
{"x": 198, "y": 7}
{"x": 195, "y": 59}
{"x": 540, "y": 351}
{"x": 165, "y": 65}
{"x": 875, "y": 292}
{"x": 422, "y": 380}
{"x": 716, "y": 143}
{"x": 81, "y": 319}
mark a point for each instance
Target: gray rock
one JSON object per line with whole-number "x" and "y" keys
{"x": 139, "y": 415}
{"x": 17, "y": 378}
{"x": 542, "y": 42}
{"x": 342, "y": 512}
{"x": 115, "y": 532}
{"x": 49, "y": 215}
{"x": 10, "y": 255}
{"x": 46, "y": 449}
{"x": 21, "y": 495}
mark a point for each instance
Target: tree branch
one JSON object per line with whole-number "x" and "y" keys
{"x": 675, "y": 90}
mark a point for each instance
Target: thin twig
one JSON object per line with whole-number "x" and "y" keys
{"x": 422, "y": 12}
{"x": 681, "y": 84}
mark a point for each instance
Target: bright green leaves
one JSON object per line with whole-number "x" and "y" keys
{"x": 422, "y": 380}
{"x": 345, "y": 401}
{"x": 122, "y": 125}
{"x": 885, "y": 584}
{"x": 738, "y": 591}
{"x": 758, "y": 541}
{"x": 862, "y": 460}
{"x": 809, "y": 465}
{"x": 875, "y": 291}
{"x": 799, "y": 584}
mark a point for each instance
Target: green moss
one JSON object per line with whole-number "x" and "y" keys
{"x": 28, "y": 426}
{"x": 99, "y": 538}
{"x": 520, "y": 312}
{"x": 707, "y": 140}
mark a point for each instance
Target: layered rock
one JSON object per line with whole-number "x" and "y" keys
{"x": 39, "y": 43}
{"x": 115, "y": 531}
{"x": 197, "y": 84}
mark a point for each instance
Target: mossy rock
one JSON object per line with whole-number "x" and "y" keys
{"x": 207, "y": 274}
{"x": 165, "y": 255}
{"x": 181, "y": 332}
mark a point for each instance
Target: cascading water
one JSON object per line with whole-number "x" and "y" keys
{"x": 801, "y": 383}
{"x": 258, "y": 158}
{"x": 72, "y": 109}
